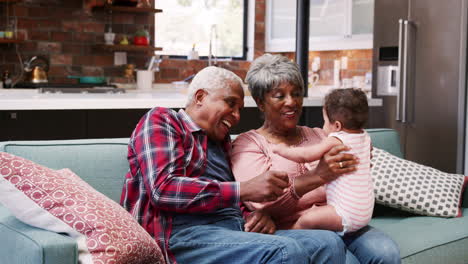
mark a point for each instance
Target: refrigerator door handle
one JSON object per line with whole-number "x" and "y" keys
{"x": 400, "y": 69}
{"x": 404, "y": 90}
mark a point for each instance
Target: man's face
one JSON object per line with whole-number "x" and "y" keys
{"x": 221, "y": 110}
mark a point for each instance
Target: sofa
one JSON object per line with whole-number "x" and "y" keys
{"x": 102, "y": 163}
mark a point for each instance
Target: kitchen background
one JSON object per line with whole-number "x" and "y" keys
{"x": 69, "y": 37}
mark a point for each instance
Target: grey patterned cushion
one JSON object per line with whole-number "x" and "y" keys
{"x": 413, "y": 187}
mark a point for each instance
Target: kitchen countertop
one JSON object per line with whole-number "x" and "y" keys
{"x": 161, "y": 95}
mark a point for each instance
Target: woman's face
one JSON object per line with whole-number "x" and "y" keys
{"x": 282, "y": 106}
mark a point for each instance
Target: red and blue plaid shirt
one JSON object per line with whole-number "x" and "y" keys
{"x": 167, "y": 155}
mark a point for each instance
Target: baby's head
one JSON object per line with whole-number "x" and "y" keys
{"x": 345, "y": 109}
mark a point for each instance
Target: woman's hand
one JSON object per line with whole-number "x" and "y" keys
{"x": 334, "y": 163}
{"x": 260, "y": 222}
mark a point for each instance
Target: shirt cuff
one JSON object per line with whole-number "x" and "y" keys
{"x": 230, "y": 193}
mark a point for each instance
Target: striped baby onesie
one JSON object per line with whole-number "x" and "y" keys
{"x": 352, "y": 194}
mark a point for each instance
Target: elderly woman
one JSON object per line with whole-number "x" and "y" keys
{"x": 277, "y": 87}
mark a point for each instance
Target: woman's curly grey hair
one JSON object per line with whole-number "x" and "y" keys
{"x": 269, "y": 71}
{"x": 211, "y": 78}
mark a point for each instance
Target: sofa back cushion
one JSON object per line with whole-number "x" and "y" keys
{"x": 102, "y": 163}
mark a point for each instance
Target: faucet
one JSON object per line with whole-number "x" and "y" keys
{"x": 210, "y": 55}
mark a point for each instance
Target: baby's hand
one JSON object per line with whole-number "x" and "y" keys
{"x": 278, "y": 148}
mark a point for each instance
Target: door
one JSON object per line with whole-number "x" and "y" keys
{"x": 435, "y": 136}
{"x": 387, "y": 14}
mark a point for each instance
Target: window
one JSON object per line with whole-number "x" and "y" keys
{"x": 185, "y": 24}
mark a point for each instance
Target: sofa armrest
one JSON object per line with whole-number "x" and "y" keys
{"x": 25, "y": 244}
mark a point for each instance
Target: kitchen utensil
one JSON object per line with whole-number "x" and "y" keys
{"x": 89, "y": 79}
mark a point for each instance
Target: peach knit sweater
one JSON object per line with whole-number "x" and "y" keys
{"x": 251, "y": 155}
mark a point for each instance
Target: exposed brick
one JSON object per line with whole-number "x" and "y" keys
{"x": 84, "y": 37}
{"x": 74, "y": 49}
{"x": 41, "y": 12}
{"x": 259, "y": 28}
{"x": 93, "y": 27}
{"x": 58, "y": 70}
{"x": 49, "y": 47}
{"x": 92, "y": 71}
{"x": 170, "y": 73}
{"x": 83, "y": 60}
{"x": 20, "y": 11}
{"x": 143, "y": 19}
{"x": 123, "y": 18}
{"x": 50, "y": 24}
{"x": 61, "y": 59}
{"x": 61, "y": 36}
{"x": 39, "y": 35}
{"x": 27, "y": 46}
{"x": 174, "y": 63}
{"x": 103, "y": 60}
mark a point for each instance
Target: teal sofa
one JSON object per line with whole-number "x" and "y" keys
{"x": 102, "y": 163}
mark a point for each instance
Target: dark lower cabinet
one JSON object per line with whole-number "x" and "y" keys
{"x": 42, "y": 125}
{"x": 116, "y": 123}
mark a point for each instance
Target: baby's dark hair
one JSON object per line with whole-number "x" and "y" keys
{"x": 349, "y": 106}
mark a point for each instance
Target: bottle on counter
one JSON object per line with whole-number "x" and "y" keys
{"x": 6, "y": 80}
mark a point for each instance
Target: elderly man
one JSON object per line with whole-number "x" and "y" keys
{"x": 181, "y": 189}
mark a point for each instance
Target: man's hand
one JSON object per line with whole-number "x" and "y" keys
{"x": 334, "y": 163}
{"x": 260, "y": 222}
{"x": 265, "y": 187}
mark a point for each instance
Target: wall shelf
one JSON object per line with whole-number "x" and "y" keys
{"x": 133, "y": 9}
{"x": 127, "y": 47}
{"x": 8, "y": 41}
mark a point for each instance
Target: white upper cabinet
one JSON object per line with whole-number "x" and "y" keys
{"x": 334, "y": 25}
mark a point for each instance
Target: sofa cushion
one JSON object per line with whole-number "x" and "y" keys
{"x": 42, "y": 245}
{"x": 60, "y": 201}
{"x": 426, "y": 239}
{"x": 416, "y": 188}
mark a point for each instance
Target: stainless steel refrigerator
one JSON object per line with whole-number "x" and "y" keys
{"x": 419, "y": 70}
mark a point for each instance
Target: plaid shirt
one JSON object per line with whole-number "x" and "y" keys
{"x": 167, "y": 155}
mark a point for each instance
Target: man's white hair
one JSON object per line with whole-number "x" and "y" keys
{"x": 211, "y": 78}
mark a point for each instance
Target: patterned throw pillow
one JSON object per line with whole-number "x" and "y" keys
{"x": 60, "y": 201}
{"x": 415, "y": 188}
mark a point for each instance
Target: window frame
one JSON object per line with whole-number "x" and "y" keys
{"x": 245, "y": 47}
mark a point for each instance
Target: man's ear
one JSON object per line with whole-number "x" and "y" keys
{"x": 338, "y": 126}
{"x": 200, "y": 96}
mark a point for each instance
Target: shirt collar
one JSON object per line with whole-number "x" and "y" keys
{"x": 190, "y": 124}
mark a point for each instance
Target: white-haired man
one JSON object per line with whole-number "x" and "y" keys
{"x": 181, "y": 189}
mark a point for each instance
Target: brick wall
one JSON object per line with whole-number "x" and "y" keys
{"x": 64, "y": 33}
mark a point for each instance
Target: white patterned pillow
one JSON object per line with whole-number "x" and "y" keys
{"x": 60, "y": 201}
{"x": 415, "y": 188}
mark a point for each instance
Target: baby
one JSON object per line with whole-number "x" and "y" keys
{"x": 350, "y": 198}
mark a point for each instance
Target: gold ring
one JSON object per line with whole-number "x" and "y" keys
{"x": 341, "y": 164}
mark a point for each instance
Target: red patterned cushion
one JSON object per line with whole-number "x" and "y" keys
{"x": 61, "y": 201}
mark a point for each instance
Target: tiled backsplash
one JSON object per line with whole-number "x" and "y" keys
{"x": 359, "y": 63}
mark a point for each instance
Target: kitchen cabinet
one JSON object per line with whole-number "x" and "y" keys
{"x": 334, "y": 25}
{"x": 42, "y": 125}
